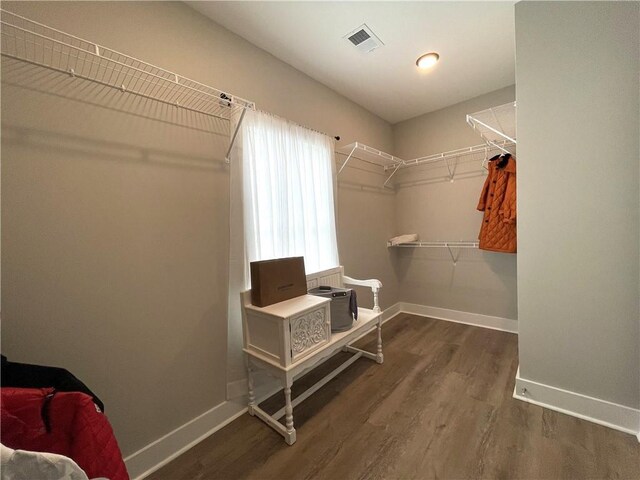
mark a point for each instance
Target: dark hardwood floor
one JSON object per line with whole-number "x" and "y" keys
{"x": 439, "y": 407}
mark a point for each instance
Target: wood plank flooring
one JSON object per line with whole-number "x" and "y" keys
{"x": 439, "y": 407}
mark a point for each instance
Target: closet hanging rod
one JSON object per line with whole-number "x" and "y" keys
{"x": 37, "y": 44}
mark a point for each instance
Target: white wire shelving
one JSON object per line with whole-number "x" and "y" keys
{"x": 440, "y": 244}
{"x": 38, "y": 44}
{"x": 496, "y": 125}
{"x": 452, "y": 157}
{"x": 450, "y": 246}
{"x": 391, "y": 163}
{"x": 368, "y": 155}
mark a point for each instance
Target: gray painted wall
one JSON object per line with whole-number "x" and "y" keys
{"x": 578, "y": 73}
{"x": 115, "y": 218}
{"x": 429, "y": 205}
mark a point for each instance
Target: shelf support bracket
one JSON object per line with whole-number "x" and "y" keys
{"x": 454, "y": 258}
{"x": 392, "y": 174}
{"x": 235, "y": 134}
{"x": 348, "y": 158}
{"x": 486, "y": 159}
{"x": 452, "y": 172}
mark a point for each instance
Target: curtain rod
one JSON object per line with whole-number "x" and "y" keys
{"x": 336, "y": 137}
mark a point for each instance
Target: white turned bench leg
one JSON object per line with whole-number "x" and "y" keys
{"x": 290, "y": 436}
{"x": 252, "y": 394}
{"x": 379, "y": 356}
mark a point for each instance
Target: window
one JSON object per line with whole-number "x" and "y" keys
{"x": 288, "y": 192}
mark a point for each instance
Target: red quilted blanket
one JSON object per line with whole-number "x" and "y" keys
{"x": 67, "y": 423}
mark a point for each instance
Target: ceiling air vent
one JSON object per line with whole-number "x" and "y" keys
{"x": 364, "y": 39}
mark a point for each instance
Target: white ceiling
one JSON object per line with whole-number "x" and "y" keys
{"x": 475, "y": 41}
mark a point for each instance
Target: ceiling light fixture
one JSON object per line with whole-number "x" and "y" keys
{"x": 427, "y": 60}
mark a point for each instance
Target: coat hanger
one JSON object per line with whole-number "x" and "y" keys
{"x": 503, "y": 160}
{"x": 485, "y": 162}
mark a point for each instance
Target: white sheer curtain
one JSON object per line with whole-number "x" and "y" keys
{"x": 288, "y": 192}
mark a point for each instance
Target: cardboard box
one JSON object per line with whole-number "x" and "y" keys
{"x": 277, "y": 280}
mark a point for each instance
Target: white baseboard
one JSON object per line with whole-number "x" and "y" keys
{"x": 596, "y": 410}
{"x": 160, "y": 452}
{"x": 468, "y": 318}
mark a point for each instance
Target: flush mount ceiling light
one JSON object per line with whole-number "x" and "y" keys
{"x": 427, "y": 60}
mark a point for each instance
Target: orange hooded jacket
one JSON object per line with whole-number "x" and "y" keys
{"x": 498, "y": 202}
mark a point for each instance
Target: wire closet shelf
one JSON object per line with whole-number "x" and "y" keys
{"x": 453, "y": 247}
{"x": 442, "y": 244}
{"x": 451, "y": 157}
{"x": 368, "y": 155}
{"x": 496, "y": 125}
{"x": 392, "y": 163}
{"x": 38, "y": 44}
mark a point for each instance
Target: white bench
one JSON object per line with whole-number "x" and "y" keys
{"x": 289, "y": 338}
{"x": 335, "y": 277}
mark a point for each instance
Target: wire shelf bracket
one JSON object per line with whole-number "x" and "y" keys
{"x": 38, "y": 44}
